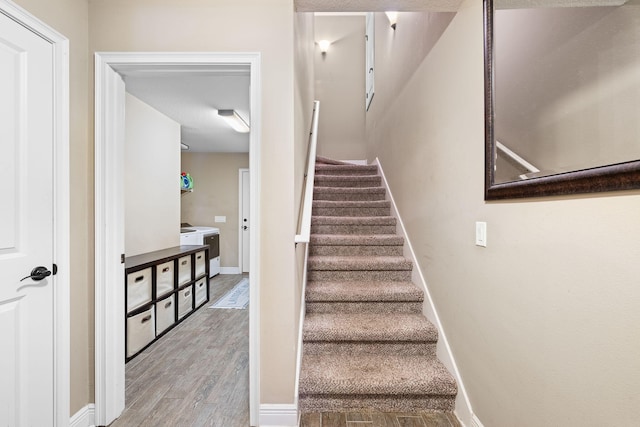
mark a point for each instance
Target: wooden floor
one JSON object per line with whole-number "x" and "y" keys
{"x": 378, "y": 419}
{"x": 197, "y": 374}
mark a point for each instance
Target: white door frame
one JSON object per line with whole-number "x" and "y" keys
{"x": 108, "y": 334}
{"x": 240, "y": 218}
{"x": 61, "y": 208}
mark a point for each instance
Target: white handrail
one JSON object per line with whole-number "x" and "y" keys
{"x": 304, "y": 226}
{"x": 522, "y": 162}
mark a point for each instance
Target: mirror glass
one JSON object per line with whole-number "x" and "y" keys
{"x": 566, "y": 86}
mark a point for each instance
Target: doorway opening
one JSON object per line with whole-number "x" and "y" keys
{"x": 109, "y": 212}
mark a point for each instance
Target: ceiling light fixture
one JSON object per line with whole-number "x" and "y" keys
{"x": 324, "y": 45}
{"x": 184, "y": 146}
{"x": 393, "y": 18}
{"x": 234, "y": 120}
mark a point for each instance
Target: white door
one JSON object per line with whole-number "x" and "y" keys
{"x": 26, "y": 227}
{"x": 244, "y": 219}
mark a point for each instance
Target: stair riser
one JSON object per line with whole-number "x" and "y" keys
{"x": 353, "y": 229}
{"x": 377, "y": 403}
{"x": 347, "y": 182}
{"x": 351, "y": 211}
{"x": 355, "y": 250}
{"x": 345, "y": 197}
{"x": 382, "y": 307}
{"x": 334, "y": 276}
{"x": 408, "y": 349}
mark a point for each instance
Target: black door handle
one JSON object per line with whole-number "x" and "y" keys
{"x": 245, "y": 227}
{"x": 38, "y": 273}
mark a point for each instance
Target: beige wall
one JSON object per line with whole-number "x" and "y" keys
{"x": 246, "y": 26}
{"x": 339, "y": 86}
{"x": 303, "y": 105}
{"x": 151, "y": 171}
{"x": 542, "y": 322}
{"x": 216, "y": 192}
{"x": 70, "y": 17}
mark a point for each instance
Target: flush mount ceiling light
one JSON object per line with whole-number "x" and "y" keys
{"x": 393, "y": 18}
{"x": 324, "y": 45}
{"x": 234, "y": 120}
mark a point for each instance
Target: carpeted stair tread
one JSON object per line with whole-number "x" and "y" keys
{"x": 349, "y": 193}
{"x": 358, "y": 263}
{"x": 345, "y": 169}
{"x": 347, "y": 180}
{"x": 368, "y": 327}
{"x": 351, "y": 208}
{"x": 356, "y": 239}
{"x": 351, "y": 204}
{"x": 371, "y": 291}
{"x": 353, "y": 220}
{"x": 370, "y": 374}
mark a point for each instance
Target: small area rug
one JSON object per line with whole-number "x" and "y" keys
{"x": 237, "y": 298}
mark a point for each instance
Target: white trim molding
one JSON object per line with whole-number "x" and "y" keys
{"x": 278, "y": 415}
{"x": 85, "y": 417}
{"x": 463, "y": 406}
{"x": 61, "y": 207}
{"x": 109, "y": 212}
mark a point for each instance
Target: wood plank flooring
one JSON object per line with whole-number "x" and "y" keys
{"x": 197, "y": 374}
{"x": 379, "y": 419}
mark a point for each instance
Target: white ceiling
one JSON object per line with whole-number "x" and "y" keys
{"x": 192, "y": 98}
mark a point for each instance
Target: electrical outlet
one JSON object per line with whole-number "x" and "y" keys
{"x": 481, "y": 234}
{"x": 220, "y": 219}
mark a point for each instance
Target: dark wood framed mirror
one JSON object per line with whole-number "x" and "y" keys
{"x": 591, "y": 83}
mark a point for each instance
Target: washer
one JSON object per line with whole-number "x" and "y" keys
{"x": 197, "y": 235}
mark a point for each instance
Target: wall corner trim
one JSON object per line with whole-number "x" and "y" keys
{"x": 85, "y": 417}
{"x": 280, "y": 415}
{"x": 463, "y": 409}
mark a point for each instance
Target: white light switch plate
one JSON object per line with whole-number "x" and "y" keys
{"x": 481, "y": 234}
{"x": 221, "y": 219}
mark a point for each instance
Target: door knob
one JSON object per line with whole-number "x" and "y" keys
{"x": 245, "y": 227}
{"x": 38, "y": 273}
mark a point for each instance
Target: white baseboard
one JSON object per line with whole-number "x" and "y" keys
{"x": 230, "y": 270}
{"x": 475, "y": 422}
{"x": 278, "y": 415}
{"x": 85, "y": 417}
{"x": 463, "y": 408}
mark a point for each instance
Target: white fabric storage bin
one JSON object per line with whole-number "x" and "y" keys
{"x": 138, "y": 288}
{"x": 165, "y": 313}
{"x": 164, "y": 278}
{"x": 141, "y": 330}
{"x": 185, "y": 301}
{"x": 201, "y": 291}
{"x": 200, "y": 264}
{"x": 184, "y": 270}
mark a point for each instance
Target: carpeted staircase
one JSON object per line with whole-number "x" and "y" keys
{"x": 366, "y": 344}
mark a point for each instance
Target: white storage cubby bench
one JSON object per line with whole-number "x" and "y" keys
{"x": 162, "y": 288}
